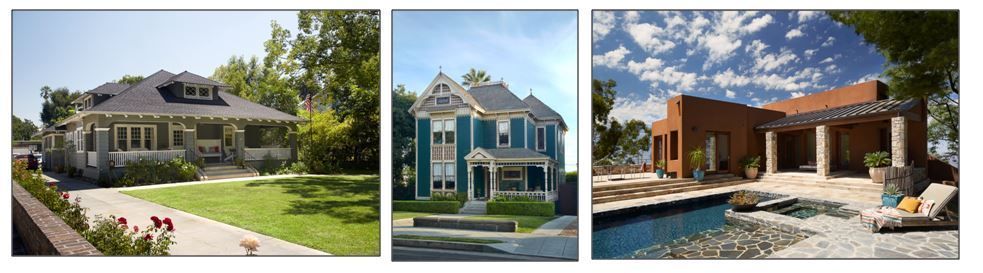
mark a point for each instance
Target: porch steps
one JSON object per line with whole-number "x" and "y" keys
{"x": 841, "y": 183}
{"x": 603, "y": 195}
{"x": 225, "y": 171}
{"x": 474, "y": 207}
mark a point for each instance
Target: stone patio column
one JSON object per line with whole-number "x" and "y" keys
{"x": 102, "y": 151}
{"x": 292, "y": 139}
{"x": 771, "y": 152}
{"x": 822, "y": 150}
{"x": 899, "y": 141}
{"x": 189, "y": 145}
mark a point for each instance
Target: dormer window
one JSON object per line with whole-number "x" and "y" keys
{"x": 200, "y": 92}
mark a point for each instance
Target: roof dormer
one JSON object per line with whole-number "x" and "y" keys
{"x": 191, "y": 86}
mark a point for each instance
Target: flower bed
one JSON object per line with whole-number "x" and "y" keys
{"x": 111, "y": 236}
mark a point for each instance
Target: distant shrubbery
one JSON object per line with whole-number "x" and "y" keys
{"x": 533, "y": 208}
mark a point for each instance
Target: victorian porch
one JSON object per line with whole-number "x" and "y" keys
{"x": 511, "y": 173}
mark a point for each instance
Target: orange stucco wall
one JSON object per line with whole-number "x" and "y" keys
{"x": 853, "y": 94}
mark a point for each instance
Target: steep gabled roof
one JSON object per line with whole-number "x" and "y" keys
{"x": 145, "y": 97}
{"x": 187, "y": 77}
{"x": 842, "y": 112}
{"x": 542, "y": 111}
{"x": 504, "y": 153}
{"x": 497, "y": 97}
{"x": 109, "y": 88}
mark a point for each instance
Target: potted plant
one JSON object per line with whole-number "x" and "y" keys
{"x": 697, "y": 158}
{"x": 751, "y": 165}
{"x": 877, "y": 163}
{"x": 891, "y": 196}
{"x": 660, "y": 170}
{"x": 743, "y": 201}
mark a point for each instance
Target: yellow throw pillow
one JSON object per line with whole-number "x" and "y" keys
{"x": 909, "y": 204}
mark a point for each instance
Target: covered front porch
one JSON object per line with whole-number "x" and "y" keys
{"x": 509, "y": 173}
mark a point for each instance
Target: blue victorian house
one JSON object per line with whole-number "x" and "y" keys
{"x": 486, "y": 142}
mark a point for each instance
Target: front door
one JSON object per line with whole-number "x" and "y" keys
{"x": 718, "y": 152}
{"x": 843, "y": 151}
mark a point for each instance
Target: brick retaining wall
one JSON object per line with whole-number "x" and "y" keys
{"x": 42, "y": 231}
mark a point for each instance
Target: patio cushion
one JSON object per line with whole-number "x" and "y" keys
{"x": 909, "y": 204}
{"x": 926, "y": 207}
{"x": 940, "y": 193}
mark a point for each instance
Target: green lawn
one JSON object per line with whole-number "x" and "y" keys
{"x": 447, "y": 239}
{"x": 527, "y": 224}
{"x": 338, "y": 214}
{"x": 398, "y": 215}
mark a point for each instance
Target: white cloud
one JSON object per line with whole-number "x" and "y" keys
{"x": 721, "y": 46}
{"x": 771, "y": 61}
{"x": 611, "y": 59}
{"x": 794, "y": 33}
{"x": 603, "y": 23}
{"x": 650, "y": 37}
{"x": 669, "y": 75}
{"x": 829, "y": 42}
{"x": 807, "y": 15}
{"x": 810, "y": 52}
{"x": 758, "y": 23}
{"x": 730, "y": 94}
{"x": 870, "y": 77}
{"x": 805, "y": 78}
{"x": 651, "y": 109}
{"x": 827, "y": 60}
{"x": 631, "y": 16}
{"x": 832, "y": 69}
{"x": 756, "y": 47}
{"x": 649, "y": 64}
{"x": 798, "y": 94}
{"x": 725, "y": 36}
{"x": 728, "y": 78}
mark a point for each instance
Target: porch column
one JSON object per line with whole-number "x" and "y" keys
{"x": 771, "y": 152}
{"x": 240, "y": 143}
{"x": 492, "y": 180}
{"x": 292, "y": 139}
{"x": 822, "y": 150}
{"x": 546, "y": 175}
{"x": 899, "y": 141}
{"x": 470, "y": 184}
{"x": 102, "y": 151}
{"x": 189, "y": 145}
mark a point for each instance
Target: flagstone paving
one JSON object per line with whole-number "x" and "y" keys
{"x": 729, "y": 242}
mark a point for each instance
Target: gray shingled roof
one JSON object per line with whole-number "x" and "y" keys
{"x": 506, "y": 153}
{"x": 145, "y": 98}
{"x": 842, "y": 112}
{"x": 495, "y": 97}
{"x": 188, "y": 77}
{"x": 540, "y": 109}
{"x": 109, "y": 88}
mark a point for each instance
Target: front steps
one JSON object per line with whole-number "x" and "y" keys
{"x": 657, "y": 187}
{"x": 225, "y": 171}
{"x": 810, "y": 180}
{"x": 476, "y": 207}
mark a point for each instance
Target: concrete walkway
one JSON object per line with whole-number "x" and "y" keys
{"x": 543, "y": 242}
{"x": 194, "y": 235}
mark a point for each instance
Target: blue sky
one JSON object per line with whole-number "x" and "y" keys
{"x": 745, "y": 57}
{"x": 83, "y": 49}
{"x": 528, "y": 49}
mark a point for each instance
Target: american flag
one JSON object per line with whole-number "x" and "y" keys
{"x": 309, "y": 104}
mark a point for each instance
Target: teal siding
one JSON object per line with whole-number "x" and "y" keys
{"x": 535, "y": 176}
{"x": 463, "y": 143}
{"x": 551, "y": 141}
{"x": 479, "y": 181}
{"x": 531, "y": 135}
{"x": 516, "y": 133}
{"x": 423, "y": 157}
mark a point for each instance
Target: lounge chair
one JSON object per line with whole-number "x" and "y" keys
{"x": 939, "y": 193}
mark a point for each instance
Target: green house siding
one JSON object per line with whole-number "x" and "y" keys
{"x": 530, "y": 135}
{"x": 463, "y": 134}
{"x": 479, "y": 181}
{"x": 551, "y": 141}
{"x": 535, "y": 176}
{"x": 423, "y": 157}
{"x": 517, "y": 130}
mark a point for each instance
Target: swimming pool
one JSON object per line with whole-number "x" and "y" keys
{"x": 804, "y": 209}
{"x": 621, "y": 234}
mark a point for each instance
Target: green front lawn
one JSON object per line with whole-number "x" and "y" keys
{"x": 527, "y": 224}
{"x": 338, "y": 214}
{"x": 399, "y": 215}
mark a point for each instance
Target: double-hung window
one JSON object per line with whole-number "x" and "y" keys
{"x": 177, "y": 136}
{"x": 443, "y": 131}
{"x": 503, "y": 133}
{"x": 443, "y": 176}
{"x": 540, "y": 138}
{"x": 136, "y": 137}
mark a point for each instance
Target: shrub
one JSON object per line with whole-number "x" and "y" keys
{"x": 427, "y": 206}
{"x": 571, "y": 177}
{"x": 743, "y": 198}
{"x": 298, "y": 167}
{"x": 521, "y": 208}
{"x": 150, "y": 172}
{"x": 520, "y": 198}
{"x": 877, "y": 159}
{"x": 460, "y": 197}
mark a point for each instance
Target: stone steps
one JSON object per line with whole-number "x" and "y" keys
{"x": 214, "y": 172}
{"x": 678, "y": 188}
{"x": 474, "y": 207}
{"x": 849, "y": 184}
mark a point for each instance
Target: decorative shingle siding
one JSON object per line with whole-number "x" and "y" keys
{"x": 423, "y": 157}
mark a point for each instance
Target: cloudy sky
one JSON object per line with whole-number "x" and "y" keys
{"x": 746, "y": 57}
{"x": 534, "y": 50}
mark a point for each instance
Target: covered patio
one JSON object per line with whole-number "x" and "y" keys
{"x": 511, "y": 172}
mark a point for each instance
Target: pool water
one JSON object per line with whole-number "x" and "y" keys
{"x": 806, "y": 209}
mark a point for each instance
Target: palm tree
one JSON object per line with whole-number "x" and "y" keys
{"x": 475, "y": 77}
{"x": 45, "y": 92}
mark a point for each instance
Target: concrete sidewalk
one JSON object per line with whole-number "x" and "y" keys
{"x": 543, "y": 242}
{"x": 194, "y": 235}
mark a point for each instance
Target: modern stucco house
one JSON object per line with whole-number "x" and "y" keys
{"x": 486, "y": 142}
{"x": 165, "y": 116}
{"x": 822, "y": 132}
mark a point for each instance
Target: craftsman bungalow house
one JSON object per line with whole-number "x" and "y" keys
{"x": 166, "y": 116}
{"x": 486, "y": 142}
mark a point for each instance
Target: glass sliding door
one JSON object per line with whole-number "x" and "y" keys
{"x": 717, "y": 152}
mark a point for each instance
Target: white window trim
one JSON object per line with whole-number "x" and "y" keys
{"x": 522, "y": 173}
{"x": 537, "y": 138}
{"x": 508, "y": 133}
{"x": 443, "y": 131}
{"x": 443, "y": 176}
{"x": 211, "y": 92}
{"x": 226, "y": 130}
{"x": 129, "y": 138}
{"x": 170, "y": 129}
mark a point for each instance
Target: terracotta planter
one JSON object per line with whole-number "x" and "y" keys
{"x": 877, "y": 174}
{"x": 751, "y": 173}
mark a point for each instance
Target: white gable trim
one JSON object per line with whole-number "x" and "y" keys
{"x": 456, "y": 89}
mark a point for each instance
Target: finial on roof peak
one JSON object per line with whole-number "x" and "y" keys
{"x": 440, "y": 68}
{"x": 530, "y": 91}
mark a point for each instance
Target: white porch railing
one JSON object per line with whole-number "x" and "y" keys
{"x": 534, "y": 195}
{"x": 260, "y": 153}
{"x": 120, "y": 158}
{"x": 92, "y": 159}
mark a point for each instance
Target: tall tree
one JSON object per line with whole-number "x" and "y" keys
{"x": 58, "y": 105}
{"x": 404, "y": 130}
{"x": 634, "y": 141}
{"x": 130, "y": 79}
{"x": 603, "y": 135}
{"x": 254, "y": 81}
{"x": 475, "y": 77}
{"x": 22, "y": 129}
{"x": 922, "y": 53}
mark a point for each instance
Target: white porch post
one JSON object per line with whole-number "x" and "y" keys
{"x": 822, "y": 150}
{"x": 470, "y": 184}
{"x": 546, "y": 178}
{"x": 771, "y": 152}
{"x": 492, "y": 181}
{"x": 899, "y": 141}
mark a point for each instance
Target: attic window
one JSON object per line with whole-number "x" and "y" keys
{"x": 197, "y": 92}
{"x": 441, "y": 88}
{"x": 443, "y": 100}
